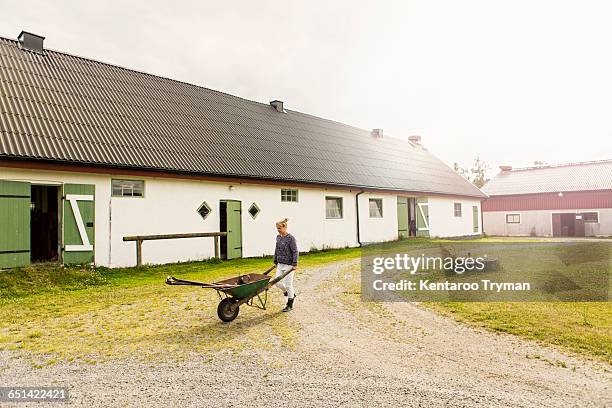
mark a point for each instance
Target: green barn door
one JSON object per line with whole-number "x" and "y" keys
{"x": 78, "y": 244}
{"x": 475, "y": 217}
{"x": 402, "y": 217}
{"x": 422, "y": 217}
{"x": 14, "y": 223}
{"x": 234, "y": 230}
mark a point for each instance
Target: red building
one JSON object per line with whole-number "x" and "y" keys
{"x": 572, "y": 199}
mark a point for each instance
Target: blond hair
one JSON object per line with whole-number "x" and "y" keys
{"x": 282, "y": 223}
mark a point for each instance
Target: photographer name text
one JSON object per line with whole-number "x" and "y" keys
{"x": 426, "y": 285}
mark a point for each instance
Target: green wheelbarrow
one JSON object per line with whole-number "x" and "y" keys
{"x": 250, "y": 289}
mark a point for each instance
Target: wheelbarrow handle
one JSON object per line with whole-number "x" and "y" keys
{"x": 270, "y": 270}
{"x": 279, "y": 278}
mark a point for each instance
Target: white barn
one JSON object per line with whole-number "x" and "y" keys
{"x": 91, "y": 152}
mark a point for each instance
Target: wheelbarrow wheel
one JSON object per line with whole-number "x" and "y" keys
{"x": 226, "y": 310}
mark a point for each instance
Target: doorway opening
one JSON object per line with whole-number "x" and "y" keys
{"x": 406, "y": 217}
{"x": 412, "y": 224}
{"x": 223, "y": 228}
{"x": 230, "y": 212}
{"x": 44, "y": 223}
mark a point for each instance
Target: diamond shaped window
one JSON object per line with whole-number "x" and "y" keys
{"x": 204, "y": 210}
{"x": 254, "y": 210}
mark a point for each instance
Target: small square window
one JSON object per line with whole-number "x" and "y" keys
{"x": 376, "y": 208}
{"x": 289, "y": 195}
{"x": 590, "y": 217}
{"x": 204, "y": 210}
{"x": 513, "y": 218}
{"x": 457, "y": 209}
{"x": 254, "y": 210}
{"x": 333, "y": 207}
{"x": 127, "y": 188}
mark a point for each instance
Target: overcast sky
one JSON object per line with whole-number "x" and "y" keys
{"x": 511, "y": 82}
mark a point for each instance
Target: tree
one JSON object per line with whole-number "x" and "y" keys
{"x": 461, "y": 170}
{"x": 477, "y": 174}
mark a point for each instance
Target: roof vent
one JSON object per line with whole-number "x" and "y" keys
{"x": 505, "y": 168}
{"x": 415, "y": 139}
{"x": 31, "y": 42}
{"x": 278, "y": 105}
{"x": 377, "y": 133}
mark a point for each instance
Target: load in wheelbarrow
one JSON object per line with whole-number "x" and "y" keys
{"x": 250, "y": 289}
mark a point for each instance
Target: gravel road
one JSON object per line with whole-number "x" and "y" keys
{"x": 350, "y": 354}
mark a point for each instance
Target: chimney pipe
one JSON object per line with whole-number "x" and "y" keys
{"x": 415, "y": 139}
{"x": 377, "y": 133}
{"x": 31, "y": 42}
{"x": 278, "y": 105}
{"x": 505, "y": 168}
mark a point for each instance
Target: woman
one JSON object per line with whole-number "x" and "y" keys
{"x": 285, "y": 258}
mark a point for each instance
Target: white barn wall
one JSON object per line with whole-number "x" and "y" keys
{"x": 539, "y": 222}
{"x": 377, "y": 229}
{"x": 170, "y": 204}
{"x": 442, "y": 220}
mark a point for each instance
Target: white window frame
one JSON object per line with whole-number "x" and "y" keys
{"x": 254, "y": 204}
{"x": 590, "y": 222}
{"x": 512, "y": 214}
{"x": 341, "y": 207}
{"x": 460, "y": 209}
{"x": 204, "y": 205}
{"x": 380, "y": 208}
{"x": 122, "y": 188}
{"x": 297, "y": 195}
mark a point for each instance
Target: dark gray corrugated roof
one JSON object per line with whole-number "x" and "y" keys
{"x": 66, "y": 108}
{"x": 585, "y": 176}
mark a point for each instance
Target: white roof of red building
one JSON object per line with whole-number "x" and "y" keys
{"x": 585, "y": 176}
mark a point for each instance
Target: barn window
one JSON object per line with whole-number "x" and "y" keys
{"x": 376, "y": 208}
{"x": 513, "y": 218}
{"x": 127, "y": 188}
{"x": 457, "y": 209}
{"x": 289, "y": 195}
{"x": 254, "y": 210}
{"x": 590, "y": 217}
{"x": 204, "y": 210}
{"x": 333, "y": 207}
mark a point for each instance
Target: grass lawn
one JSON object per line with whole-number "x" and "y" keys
{"x": 97, "y": 314}
{"x": 582, "y": 327}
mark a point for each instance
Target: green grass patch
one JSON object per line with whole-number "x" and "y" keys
{"x": 96, "y": 314}
{"x": 582, "y": 327}
{"x": 59, "y": 313}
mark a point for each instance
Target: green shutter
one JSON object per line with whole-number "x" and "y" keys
{"x": 402, "y": 217}
{"x": 475, "y": 217}
{"x": 14, "y": 223}
{"x": 76, "y": 250}
{"x": 422, "y": 217}
{"x": 234, "y": 230}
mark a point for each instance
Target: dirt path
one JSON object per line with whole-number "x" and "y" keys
{"x": 350, "y": 354}
{"x": 414, "y": 348}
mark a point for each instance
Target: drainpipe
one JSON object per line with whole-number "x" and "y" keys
{"x": 357, "y": 207}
